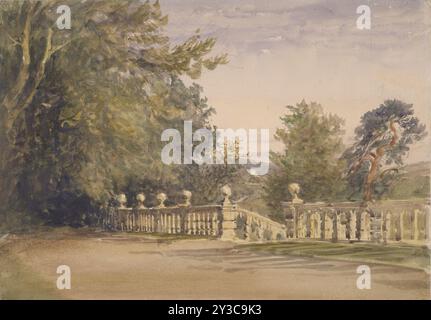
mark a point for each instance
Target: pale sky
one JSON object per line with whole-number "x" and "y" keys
{"x": 283, "y": 51}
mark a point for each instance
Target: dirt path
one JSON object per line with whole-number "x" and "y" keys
{"x": 145, "y": 268}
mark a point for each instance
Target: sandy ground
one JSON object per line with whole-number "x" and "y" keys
{"x": 107, "y": 267}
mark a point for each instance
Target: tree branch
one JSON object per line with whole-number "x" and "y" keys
{"x": 40, "y": 72}
{"x": 15, "y": 42}
{"x": 12, "y": 97}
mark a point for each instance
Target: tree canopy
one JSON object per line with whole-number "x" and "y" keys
{"x": 382, "y": 141}
{"x": 312, "y": 145}
{"x": 82, "y": 110}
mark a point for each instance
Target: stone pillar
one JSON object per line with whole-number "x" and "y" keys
{"x": 315, "y": 232}
{"x": 229, "y": 215}
{"x": 341, "y": 227}
{"x": 122, "y": 213}
{"x": 329, "y": 226}
{"x": 290, "y": 218}
{"x": 388, "y": 225}
{"x": 313, "y": 227}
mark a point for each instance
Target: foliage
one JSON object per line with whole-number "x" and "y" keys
{"x": 82, "y": 110}
{"x": 312, "y": 144}
{"x": 381, "y": 143}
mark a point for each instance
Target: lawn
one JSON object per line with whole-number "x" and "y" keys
{"x": 417, "y": 257}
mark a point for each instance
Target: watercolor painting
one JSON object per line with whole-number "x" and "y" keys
{"x": 202, "y": 149}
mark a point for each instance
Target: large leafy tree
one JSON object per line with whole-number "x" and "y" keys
{"x": 382, "y": 142}
{"x": 82, "y": 110}
{"x": 312, "y": 146}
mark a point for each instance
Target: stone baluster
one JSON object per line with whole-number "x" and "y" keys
{"x": 229, "y": 215}
{"x": 177, "y": 222}
{"x": 301, "y": 225}
{"x": 144, "y": 222}
{"x": 208, "y": 223}
{"x": 158, "y": 227}
{"x": 387, "y": 234}
{"x": 170, "y": 223}
{"x": 214, "y": 224}
{"x": 427, "y": 212}
{"x": 162, "y": 222}
{"x": 365, "y": 226}
{"x": 316, "y": 226}
{"x": 376, "y": 225}
{"x": 194, "y": 224}
{"x": 307, "y": 217}
{"x": 174, "y": 222}
{"x": 189, "y": 223}
{"x": 166, "y": 226}
{"x": 247, "y": 231}
{"x": 180, "y": 225}
{"x": 416, "y": 228}
{"x": 353, "y": 225}
{"x": 329, "y": 226}
{"x": 402, "y": 225}
{"x": 258, "y": 229}
{"x": 201, "y": 223}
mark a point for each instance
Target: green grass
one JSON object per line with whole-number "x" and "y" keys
{"x": 18, "y": 282}
{"x": 417, "y": 257}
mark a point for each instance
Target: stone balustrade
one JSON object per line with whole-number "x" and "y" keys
{"x": 225, "y": 221}
{"x": 179, "y": 219}
{"x": 383, "y": 221}
{"x": 254, "y": 227}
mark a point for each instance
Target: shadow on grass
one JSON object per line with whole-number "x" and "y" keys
{"x": 417, "y": 257}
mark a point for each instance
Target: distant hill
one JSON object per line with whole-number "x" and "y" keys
{"x": 414, "y": 182}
